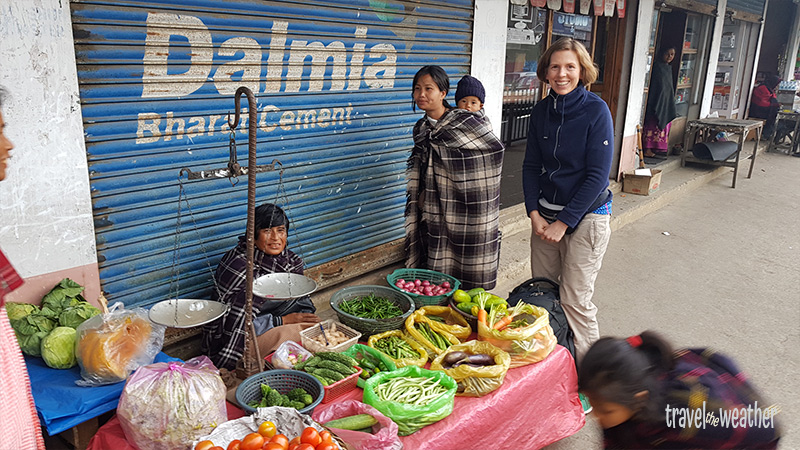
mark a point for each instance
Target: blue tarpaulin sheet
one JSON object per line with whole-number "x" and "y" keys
{"x": 62, "y": 404}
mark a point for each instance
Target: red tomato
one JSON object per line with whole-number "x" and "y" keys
{"x": 310, "y": 436}
{"x": 216, "y": 447}
{"x": 305, "y": 447}
{"x": 252, "y": 441}
{"x": 267, "y": 429}
{"x": 280, "y": 439}
{"x": 273, "y": 446}
{"x": 292, "y": 446}
{"x": 203, "y": 445}
{"x": 234, "y": 445}
{"x": 326, "y": 436}
{"x": 326, "y": 446}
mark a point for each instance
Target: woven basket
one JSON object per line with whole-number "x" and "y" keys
{"x": 341, "y": 387}
{"x": 282, "y": 381}
{"x": 424, "y": 275}
{"x": 471, "y": 320}
{"x": 368, "y": 327}
{"x": 314, "y": 331}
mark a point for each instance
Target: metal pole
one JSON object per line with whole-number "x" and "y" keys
{"x": 252, "y": 356}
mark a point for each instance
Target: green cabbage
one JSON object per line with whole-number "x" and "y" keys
{"x": 58, "y": 348}
{"x": 17, "y": 311}
{"x": 32, "y": 344}
{"x": 75, "y": 315}
{"x": 67, "y": 293}
{"x": 33, "y": 323}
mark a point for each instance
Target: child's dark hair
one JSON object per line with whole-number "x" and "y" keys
{"x": 439, "y": 77}
{"x": 615, "y": 370}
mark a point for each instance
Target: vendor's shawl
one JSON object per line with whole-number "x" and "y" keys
{"x": 223, "y": 339}
{"x": 661, "y": 95}
{"x": 700, "y": 375}
{"x": 454, "y": 226}
{"x": 19, "y": 425}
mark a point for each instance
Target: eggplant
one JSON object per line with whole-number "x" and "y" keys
{"x": 480, "y": 360}
{"x": 452, "y": 358}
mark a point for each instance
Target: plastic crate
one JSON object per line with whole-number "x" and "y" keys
{"x": 282, "y": 381}
{"x": 368, "y": 327}
{"x": 308, "y": 334}
{"x": 424, "y": 275}
{"x": 341, "y": 387}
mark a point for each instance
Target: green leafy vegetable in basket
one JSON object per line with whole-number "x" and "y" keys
{"x": 297, "y": 398}
{"x": 371, "y": 307}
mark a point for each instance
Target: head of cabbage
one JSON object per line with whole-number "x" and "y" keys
{"x": 73, "y": 316}
{"x": 17, "y": 311}
{"x": 58, "y": 348}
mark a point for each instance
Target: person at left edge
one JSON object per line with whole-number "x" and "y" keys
{"x": 19, "y": 424}
{"x": 275, "y": 321}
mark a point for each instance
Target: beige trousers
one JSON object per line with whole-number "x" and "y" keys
{"x": 574, "y": 263}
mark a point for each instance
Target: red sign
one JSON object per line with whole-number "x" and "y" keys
{"x": 569, "y": 6}
{"x": 620, "y": 8}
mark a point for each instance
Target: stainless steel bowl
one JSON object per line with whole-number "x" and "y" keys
{"x": 283, "y": 286}
{"x": 186, "y": 312}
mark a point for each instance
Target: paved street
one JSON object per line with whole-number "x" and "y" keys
{"x": 726, "y": 276}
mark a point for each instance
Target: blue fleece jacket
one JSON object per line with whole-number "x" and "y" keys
{"x": 570, "y": 148}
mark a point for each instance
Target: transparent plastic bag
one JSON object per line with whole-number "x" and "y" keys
{"x": 454, "y": 323}
{"x": 420, "y": 360}
{"x": 419, "y": 318}
{"x": 525, "y": 345}
{"x": 476, "y": 381}
{"x": 288, "y": 354}
{"x": 111, "y": 346}
{"x": 166, "y": 405}
{"x": 410, "y": 418}
{"x": 385, "y": 438}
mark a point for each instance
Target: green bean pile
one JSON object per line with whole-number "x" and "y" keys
{"x": 416, "y": 391}
{"x": 396, "y": 347}
{"x": 371, "y": 307}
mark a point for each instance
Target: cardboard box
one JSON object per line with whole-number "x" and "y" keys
{"x": 641, "y": 184}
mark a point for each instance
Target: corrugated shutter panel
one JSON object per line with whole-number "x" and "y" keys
{"x": 749, "y": 6}
{"x": 333, "y": 84}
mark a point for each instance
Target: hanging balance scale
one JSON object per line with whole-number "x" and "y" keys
{"x": 185, "y": 313}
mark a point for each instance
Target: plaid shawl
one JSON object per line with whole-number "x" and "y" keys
{"x": 453, "y": 198}
{"x": 223, "y": 339}
{"x": 700, "y": 375}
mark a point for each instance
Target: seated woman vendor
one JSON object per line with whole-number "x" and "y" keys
{"x": 275, "y": 321}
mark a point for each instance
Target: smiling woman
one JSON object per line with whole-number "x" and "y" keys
{"x": 565, "y": 181}
{"x": 275, "y": 321}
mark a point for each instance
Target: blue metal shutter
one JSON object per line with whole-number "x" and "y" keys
{"x": 333, "y": 84}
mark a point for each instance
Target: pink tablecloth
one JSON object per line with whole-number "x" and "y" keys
{"x": 536, "y": 405}
{"x": 110, "y": 436}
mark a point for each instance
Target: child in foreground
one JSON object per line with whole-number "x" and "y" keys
{"x": 645, "y": 396}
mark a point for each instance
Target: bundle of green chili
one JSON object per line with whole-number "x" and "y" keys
{"x": 410, "y": 390}
{"x": 371, "y": 307}
{"x": 396, "y": 347}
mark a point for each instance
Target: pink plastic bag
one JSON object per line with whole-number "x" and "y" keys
{"x": 165, "y": 405}
{"x": 385, "y": 439}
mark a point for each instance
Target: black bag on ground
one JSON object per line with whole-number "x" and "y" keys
{"x": 544, "y": 292}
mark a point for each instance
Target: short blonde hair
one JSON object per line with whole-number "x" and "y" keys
{"x": 588, "y": 68}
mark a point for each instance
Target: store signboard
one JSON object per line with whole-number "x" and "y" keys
{"x": 525, "y": 24}
{"x": 572, "y": 25}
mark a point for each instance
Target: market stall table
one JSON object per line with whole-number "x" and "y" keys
{"x": 62, "y": 405}
{"x": 793, "y": 118}
{"x": 706, "y": 126}
{"x": 536, "y": 405}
